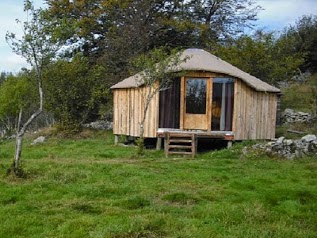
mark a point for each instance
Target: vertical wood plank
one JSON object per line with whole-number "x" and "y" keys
{"x": 182, "y": 97}
{"x": 235, "y": 106}
{"x": 209, "y": 103}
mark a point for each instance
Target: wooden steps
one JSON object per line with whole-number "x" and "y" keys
{"x": 180, "y": 143}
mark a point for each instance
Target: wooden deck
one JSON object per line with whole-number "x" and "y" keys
{"x": 224, "y": 135}
{"x": 184, "y": 142}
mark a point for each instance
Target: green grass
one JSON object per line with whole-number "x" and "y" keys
{"x": 91, "y": 188}
{"x": 299, "y": 96}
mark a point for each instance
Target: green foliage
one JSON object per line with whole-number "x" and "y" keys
{"x": 219, "y": 194}
{"x": 17, "y": 92}
{"x": 4, "y": 76}
{"x": 304, "y": 36}
{"x": 157, "y": 66}
{"x": 75, "y": 91}
{"x": 101, "y": 29}
{"x": 263, "y": 55}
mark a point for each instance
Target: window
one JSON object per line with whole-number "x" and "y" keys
{"x": 196, "y": 90}
{"x": 222, "y": 104}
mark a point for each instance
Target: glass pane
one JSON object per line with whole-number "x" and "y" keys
{"x": 222, "y": 104}
{"x": 216, "y": 106}
{"x": 196, "y": 96}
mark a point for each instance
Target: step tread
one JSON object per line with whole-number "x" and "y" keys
{"x": 180, "y": 153}
{"x": 180, "y": 146}
{"x": 180, "y": 141}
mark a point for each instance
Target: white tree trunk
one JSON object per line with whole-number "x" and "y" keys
{"x": 21, "y": 130}
{"x": 18, "y": 143}
{"x": 18, "y": 150}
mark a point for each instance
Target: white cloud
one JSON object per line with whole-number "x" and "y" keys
{"x": 10, "y": 11}
{"x": 12, "y": 63}
{"x": 278, "y": 14}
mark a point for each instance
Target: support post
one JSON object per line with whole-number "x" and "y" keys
{"x": 116, "y": 139}
{"x": 166, "y": 143}
{"x": 229, "y": 144}
{"x": 159, "y": 143}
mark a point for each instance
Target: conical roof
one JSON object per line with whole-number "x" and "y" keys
{"x": 201, "y": 60}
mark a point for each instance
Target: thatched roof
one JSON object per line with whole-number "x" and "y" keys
{"x": 201, "y": 60}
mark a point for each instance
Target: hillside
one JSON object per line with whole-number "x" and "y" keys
{"x": 300, "y": 97}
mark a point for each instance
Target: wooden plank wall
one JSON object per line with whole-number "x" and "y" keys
{"x": 128, "y": 106}
{"x": 254, "y": 113}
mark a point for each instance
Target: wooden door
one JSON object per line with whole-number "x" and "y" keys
{"x": 195, "y": 103}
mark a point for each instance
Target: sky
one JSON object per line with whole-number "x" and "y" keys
{"x": 276, "y": 15}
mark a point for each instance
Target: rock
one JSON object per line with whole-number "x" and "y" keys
{"x": 291, "y": 149}
{"x": 289, "y": 111}
{"x": 288, "y": 142}
{"x": 280, "y": 140}
{"x": 290, "y": 116}
{"x": 271, "y": 143}
{"x": 303, "y": 114}
{"x": 309, "y": 138}
{"x": 38, "y": 140}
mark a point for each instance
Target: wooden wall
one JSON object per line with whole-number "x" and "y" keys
{"x": 128, "y": 111}
{"x": 254, "y": 113}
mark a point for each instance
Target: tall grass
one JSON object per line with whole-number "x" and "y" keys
{"x": 299, "y": 96}
{"x": 91, "y": 188}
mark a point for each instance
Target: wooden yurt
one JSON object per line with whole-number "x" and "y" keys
{"x": 213, "y": 99}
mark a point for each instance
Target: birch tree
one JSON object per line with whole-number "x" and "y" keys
{"x": 37, "y": 47}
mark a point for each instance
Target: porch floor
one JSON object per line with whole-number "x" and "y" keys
{"x": 225, "y": 135}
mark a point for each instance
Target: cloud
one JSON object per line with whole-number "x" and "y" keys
{"x": 9, "y": 12}
{"x": 278, "y": 14}
{"x": 11, "y": 62}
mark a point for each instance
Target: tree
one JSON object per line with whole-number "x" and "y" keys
{"x": 220, "y": 19}
{"x": 37, "y": 47}
{"x": 4, "y": 76}
{"x": 112, "y": 33}
{"x": 262, "y": 55}
{"x": 16, "y": 93}
{"x": 157, "y": 69}
{"x": 304, "y": 36}
{"x": 74, "y": 92}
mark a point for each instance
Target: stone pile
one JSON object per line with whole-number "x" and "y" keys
{"x": 99, "y": 125}
{"x": 291, "y": 149}
{"x": 291, "y": 116}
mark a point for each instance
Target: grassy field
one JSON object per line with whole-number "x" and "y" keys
{"x": 91, "y": 188}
